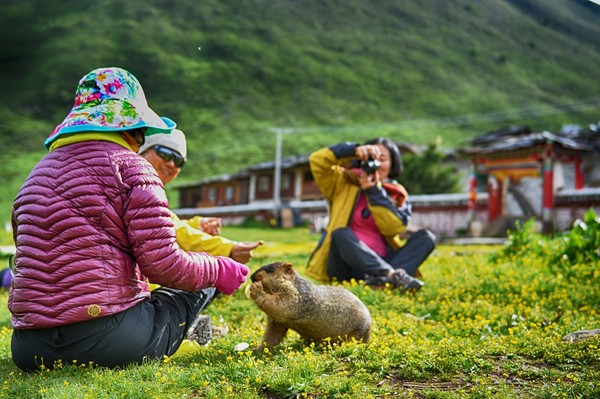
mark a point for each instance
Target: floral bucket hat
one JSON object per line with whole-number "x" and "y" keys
{"x": 107, "y": 100}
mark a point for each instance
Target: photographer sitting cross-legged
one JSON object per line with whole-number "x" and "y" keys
{"x": 369, "y": 210}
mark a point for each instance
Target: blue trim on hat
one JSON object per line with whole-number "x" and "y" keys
{"x": 170, "y": 126}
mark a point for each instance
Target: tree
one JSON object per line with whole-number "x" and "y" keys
{"x": 427, "y": 173}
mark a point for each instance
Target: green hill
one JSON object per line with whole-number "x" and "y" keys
{"x": 331, "y": 70}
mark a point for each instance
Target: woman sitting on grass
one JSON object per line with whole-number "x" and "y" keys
{"x": 91, "y": 225}
{"x": 368, "y": 211}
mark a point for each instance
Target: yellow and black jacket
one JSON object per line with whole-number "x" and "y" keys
{"x": 341, "y": 193}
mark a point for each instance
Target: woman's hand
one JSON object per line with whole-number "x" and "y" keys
{"x": 211, "y": 225}
{"x": 242, "y": 251}
{"x": 366, "y": 181}
{"x": 231, "y": 275}
{"x": 364, "y": 152}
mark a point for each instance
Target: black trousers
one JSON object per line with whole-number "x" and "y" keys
{"x": 351, "y": 258}
{"x": 150, "y": 330}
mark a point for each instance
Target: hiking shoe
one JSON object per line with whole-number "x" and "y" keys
{"x": 200, "y": 330}
{"x": 377, "y": 281}
{"x": 400, "y": 278}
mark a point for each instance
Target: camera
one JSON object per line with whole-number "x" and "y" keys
{"x": 370, "y": 166}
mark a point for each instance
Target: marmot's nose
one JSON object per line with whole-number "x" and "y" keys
{"x": 256, "y": 276}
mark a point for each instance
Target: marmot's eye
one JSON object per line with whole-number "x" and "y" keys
{"x": 270, "y": 269}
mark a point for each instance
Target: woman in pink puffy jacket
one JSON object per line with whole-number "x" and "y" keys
{"x": 91, "y": 227}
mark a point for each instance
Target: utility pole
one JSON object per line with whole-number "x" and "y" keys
{"x": 279, "y": 131}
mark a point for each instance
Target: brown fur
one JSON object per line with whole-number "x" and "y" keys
{"x": 316, "y": 312}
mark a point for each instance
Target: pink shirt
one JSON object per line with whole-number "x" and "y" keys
{"x": 365, "y": 228}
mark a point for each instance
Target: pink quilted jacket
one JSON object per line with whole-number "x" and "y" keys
{"x": 91, "y": 222}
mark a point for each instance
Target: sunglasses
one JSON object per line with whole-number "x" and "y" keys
{"x": 169, "y": 155}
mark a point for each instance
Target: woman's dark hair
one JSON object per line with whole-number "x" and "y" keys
{"x": 396, "y": 157}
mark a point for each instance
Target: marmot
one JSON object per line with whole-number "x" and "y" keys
{"x": 316, "y": 312}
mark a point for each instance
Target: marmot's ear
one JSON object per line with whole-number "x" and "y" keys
{"x": 288, "y": 267}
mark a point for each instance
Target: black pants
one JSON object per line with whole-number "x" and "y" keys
{"x": 351, "y": 258}
{"x": 150, "y": 330}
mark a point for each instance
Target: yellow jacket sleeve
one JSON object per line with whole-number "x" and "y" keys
{"x": 325, "y": 166}
{"x": 191, "y": 238}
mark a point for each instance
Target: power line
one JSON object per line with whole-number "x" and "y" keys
{"x": 490, "y": 117}
{"x": 464, "y": 120}
{"x": 493, "y": 117}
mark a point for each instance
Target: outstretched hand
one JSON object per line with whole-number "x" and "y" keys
{"x": 242, "y": 251}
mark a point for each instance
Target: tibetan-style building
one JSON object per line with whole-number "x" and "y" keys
{"x": 535, "y": 174}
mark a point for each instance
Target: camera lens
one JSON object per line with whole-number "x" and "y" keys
{"x": 370, "y": 166}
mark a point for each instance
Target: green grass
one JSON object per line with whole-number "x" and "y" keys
{"x": 480, "y": 328}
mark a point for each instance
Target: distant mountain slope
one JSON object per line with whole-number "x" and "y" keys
{"x": 333, "y": 70}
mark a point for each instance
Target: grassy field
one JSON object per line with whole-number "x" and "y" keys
{"x": 488, "y": 324}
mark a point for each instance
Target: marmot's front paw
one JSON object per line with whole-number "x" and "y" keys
{"x": 254, "y": 289}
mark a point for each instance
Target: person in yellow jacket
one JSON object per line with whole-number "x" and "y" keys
{"x": 368, "y": 213}
{"x": 167, "y": 154}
